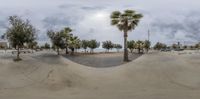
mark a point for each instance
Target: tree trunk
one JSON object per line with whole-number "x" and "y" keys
{"x": 18, "y": 52}
{"x": 139, "y": 50}
{"x": 131, "y": 50}
{"x": 125, "y": 48}
{"x": 66, "y": 51}
{"x": 85, "y": 50}
{"x": 72, "y": 51}
{"x": 58, "y": 52}
{"x": 92, "y": 50}
{"x": 32, "y": 50}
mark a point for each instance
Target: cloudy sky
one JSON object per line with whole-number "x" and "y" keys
{"x": 168, "y": 20}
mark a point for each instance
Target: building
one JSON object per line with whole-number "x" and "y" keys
{"x": 3, "y": 44}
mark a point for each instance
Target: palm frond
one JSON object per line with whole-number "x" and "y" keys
{"x": 114, "y": 22}
{"x": 129, "y": 13}
{"x": 115, "y": 14}
{"x": 120, "y": 27}
{"x": 135, "y": 22}
{"x": 137, "y": 16}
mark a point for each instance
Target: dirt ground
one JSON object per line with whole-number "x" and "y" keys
{"x": 45, "y": 75}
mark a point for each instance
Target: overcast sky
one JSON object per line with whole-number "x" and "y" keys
{"x": 168, "y": 20}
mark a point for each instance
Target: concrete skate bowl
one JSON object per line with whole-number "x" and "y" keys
{"x": 101, "y": 60}
{"x": 47, "y": 72}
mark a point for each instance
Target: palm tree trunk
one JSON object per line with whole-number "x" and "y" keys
{"x": 125, "y": 48}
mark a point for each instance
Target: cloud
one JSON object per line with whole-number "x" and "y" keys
{"x": 53, "y": 21}
{"x": 168, "y": 21}
{"x": 186, "y": 24}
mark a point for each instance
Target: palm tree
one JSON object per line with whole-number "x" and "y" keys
{"x": 66, "y": 35}
{"x": 74, "y": 43}
{"x": 125, "y": 22}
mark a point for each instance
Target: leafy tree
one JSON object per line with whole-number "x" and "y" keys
{"x": 85, "y": 44}
{"x": 47, "y": 46}
{"x": 197, "y": 46}
{"x": 53, "y": 47}
{"x": 131, "y": 45}
{"x": 147, "y": 45}
{"x": 57, "y": 39}
{"x": 3, "y": 36}
{"x": 20, "y": 32}
{"x": 185, "y": 46}
{"x": 125, "y": 22}
{"x": 32, "y": 45}
{"x": 174, "y": 46}
{"x": 192, "y": 47}
{"x": 108, "y": 45}
{"x": 140, "y": 46}
{"x": 93, "y": 44}
{"x": 118, "y": 47}
{"x": 159, "y": 46}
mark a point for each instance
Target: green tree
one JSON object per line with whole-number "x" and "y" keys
{"x": 185, "y": 46}
{"x": 32, "y": 45}
{"x": 56, "y": 39}
{"x": 20, "y": 32}
{"x": 140, "y": 46}
{"x": 66, "y": 34}
{"x": 131, "y": 45}
{"x": 47, "y": 46}
{"x": 125, "y": 22}
{"x": 92, "y": 45}
{"x": 147, "y": 45}
{"x": 159, "y": 46}
{"x": 85, "y": 44}
{"x": 107, "y": 45}
{"x": 118, "y": 47}
{"x": 197, "y": 46}
{"x": 174, "y": 46}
